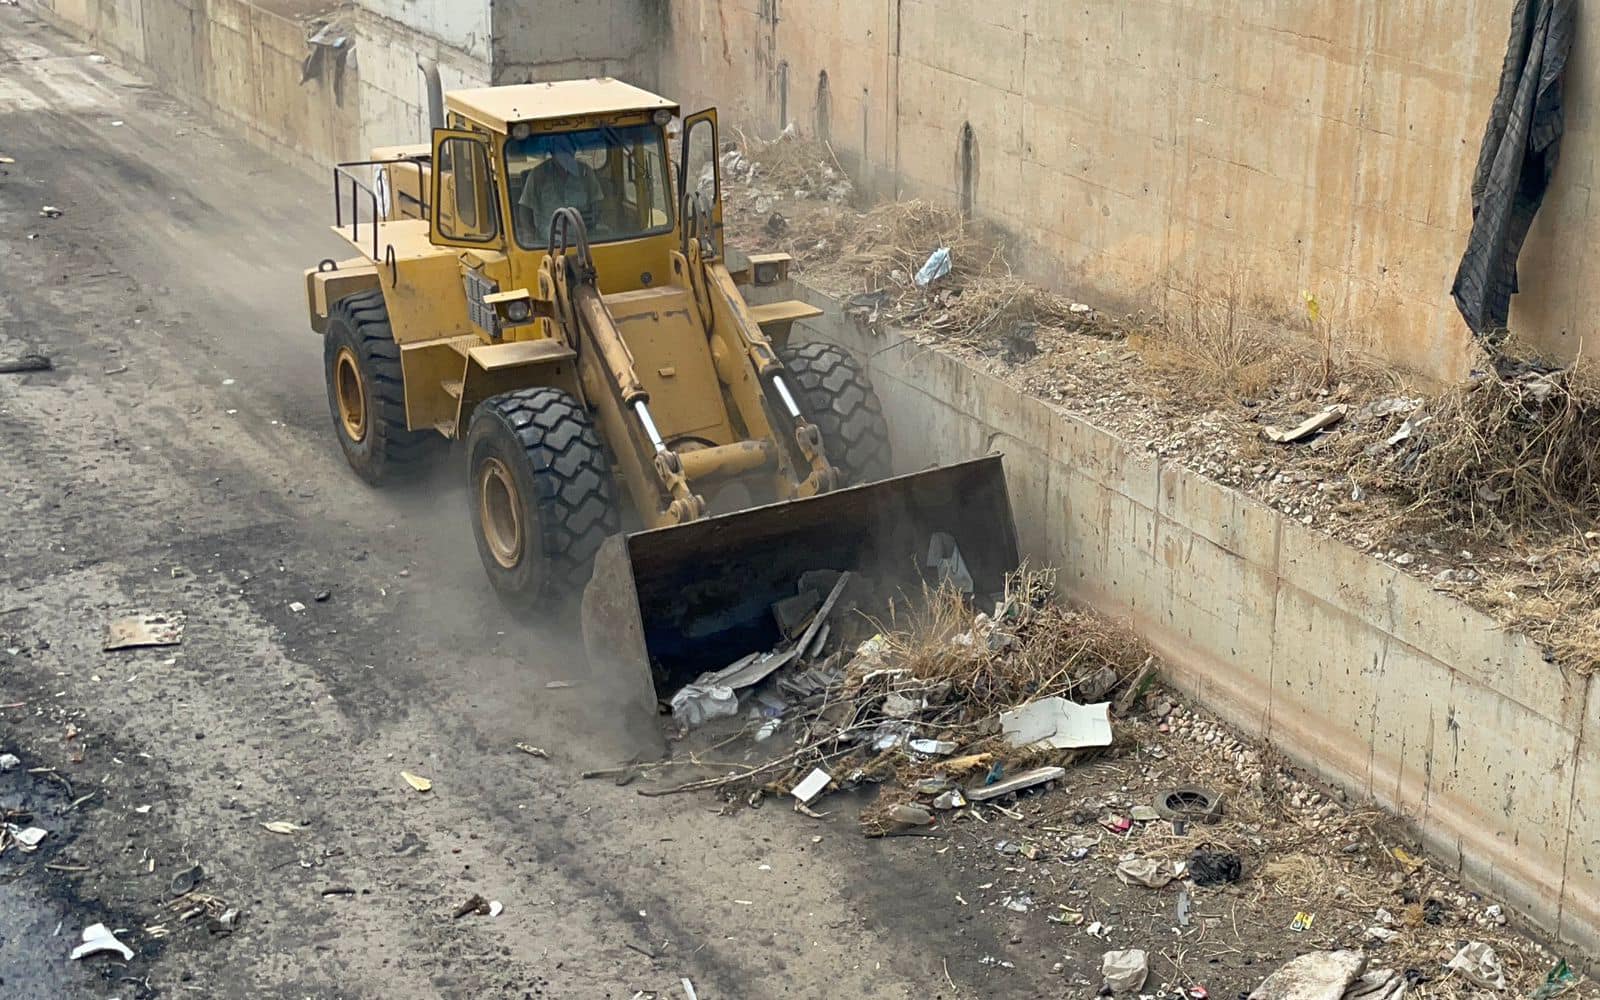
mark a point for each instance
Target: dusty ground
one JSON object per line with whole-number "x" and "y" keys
{"x": 179, "y": 458}
{"x": 1156, "y": 382}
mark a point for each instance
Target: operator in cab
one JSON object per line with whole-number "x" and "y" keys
{"x": 561, "y": 181}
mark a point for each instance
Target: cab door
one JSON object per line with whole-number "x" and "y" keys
{"x": 700, "y": 184}
{"x": 466, "y": 205}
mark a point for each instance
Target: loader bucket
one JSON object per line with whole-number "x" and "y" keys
{"x": 668, "y": 604}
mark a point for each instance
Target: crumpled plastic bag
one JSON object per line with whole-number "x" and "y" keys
{"x": 937, "y": 266}
{"x": 1152, "y": 873}
{"x": 1125, "y": 971}
{"x": 696, "y": 704}
{"x": 1480, "y": 965}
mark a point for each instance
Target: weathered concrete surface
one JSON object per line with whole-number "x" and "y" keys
{"x": 1403, "y": 696}
{"x": 242, "y": 59}
{"x": 1146, "y": 150}
{"x": 537, "y": 40}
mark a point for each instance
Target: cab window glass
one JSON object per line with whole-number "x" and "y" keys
{"x": 614, "y": 176}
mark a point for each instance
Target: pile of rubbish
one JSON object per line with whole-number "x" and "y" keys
{"x": 940, "y": 706}
{"x": 788, "y": 166}
{"x": 1513, "y": 445}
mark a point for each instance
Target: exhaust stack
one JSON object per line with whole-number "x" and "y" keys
{"x": 430, "y": 74}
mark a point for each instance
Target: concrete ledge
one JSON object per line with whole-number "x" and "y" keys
{"x": 1361, "y": 674}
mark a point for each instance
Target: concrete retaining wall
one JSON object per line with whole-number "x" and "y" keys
{"x": 1355, "y": 670}
{"x": 1144, "y": 150}
{"x": 242, "y": 59}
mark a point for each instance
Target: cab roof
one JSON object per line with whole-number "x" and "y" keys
{"x": 501, "y": 107}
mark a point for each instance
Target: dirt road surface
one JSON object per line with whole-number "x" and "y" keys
{"x": 179, "y": 458}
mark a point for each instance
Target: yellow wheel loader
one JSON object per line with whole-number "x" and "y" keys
{"x": 545, "y": 284}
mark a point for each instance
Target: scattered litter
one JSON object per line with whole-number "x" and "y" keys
{"x": 27, "y": 838}
{"x": 144, "y": 630}
{"x": 98, "y": 938}
{"x": 1302, "y": 922}
{"x": 338, "y": 890}
{"x": 533, "y": 751}
{"x": 1016, "y": 783}
{"x": 688, "y": 989}
{"x": 49, "y": 212}
{"x": 1058, "y": 723}
{"x": 909, "y": 815}
{"x": 952, "y": 799}
{"x": 944, "y": 559}
{"x": 1181, "y": 913}
{"x": 417, "y": 781}
{"x": 225, "y": 924}
{"x": 1311, "y": 425}
{"x": 296, "y": 607}
{"x": 26, "y": 363}
{"x": 1478, "y": 963}
{"x": 9, "y": 761}
{"x": 474, "y": 904}
{"x": 1021, "y": 903}
{"x": 549, "y": 685}
{"x": 1209, "y": 868}
{"x": 1152, "y": 873}
{"x": 323, "y": 596}
{"x": 1125, "y": 971}
{"x": 1556, "y": 982}
{"x": 1189, "y": 802}
{"x": 1143, "y": 814}
{"x": 185, "y": 881}
{"x": 811, "y": 786}
{"x": 496, "y": 907}
{"x": 280, "y": 826}
{"x": 698, "y": 703}
{"x": 935, "y": 748}
{"x": 937, "y": 266}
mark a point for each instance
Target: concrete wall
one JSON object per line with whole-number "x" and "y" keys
{"x": 537, "y": 40}
{"x": 1140, "y": 150}
{"x": 241, "y": 59}
{"x": 1358, "y": 672}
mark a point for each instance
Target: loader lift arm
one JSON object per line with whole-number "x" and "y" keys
{"x": 605, "y": 358}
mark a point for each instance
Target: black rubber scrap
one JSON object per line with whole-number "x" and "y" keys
{"x": 25, "y": 363}
{"x": 1189, "y": 802}
{"x": 1215, "y": 867}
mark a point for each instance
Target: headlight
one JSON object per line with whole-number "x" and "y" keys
{"x": 521, "y": 130}
{"x": 662, "y": 117}
{"x": 519, "y": 311}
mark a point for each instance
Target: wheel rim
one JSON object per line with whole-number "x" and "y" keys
{"x": 500, "y": 512}
{"x": 350, "y": 394}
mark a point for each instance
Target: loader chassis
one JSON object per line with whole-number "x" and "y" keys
{"x": 541, "y": 283}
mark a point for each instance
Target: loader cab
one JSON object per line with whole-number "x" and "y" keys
{"x": 511, "y": 156}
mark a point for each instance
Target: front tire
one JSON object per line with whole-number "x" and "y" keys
{"x": 543, "y": 496}
{"x": 836, "y": 395}
{"x": 366, "y": 391}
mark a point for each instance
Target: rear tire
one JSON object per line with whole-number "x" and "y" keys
{"x": 836, "y": 395}
{"x": 543, "y": 496}
{"x": 366, "y": 391}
